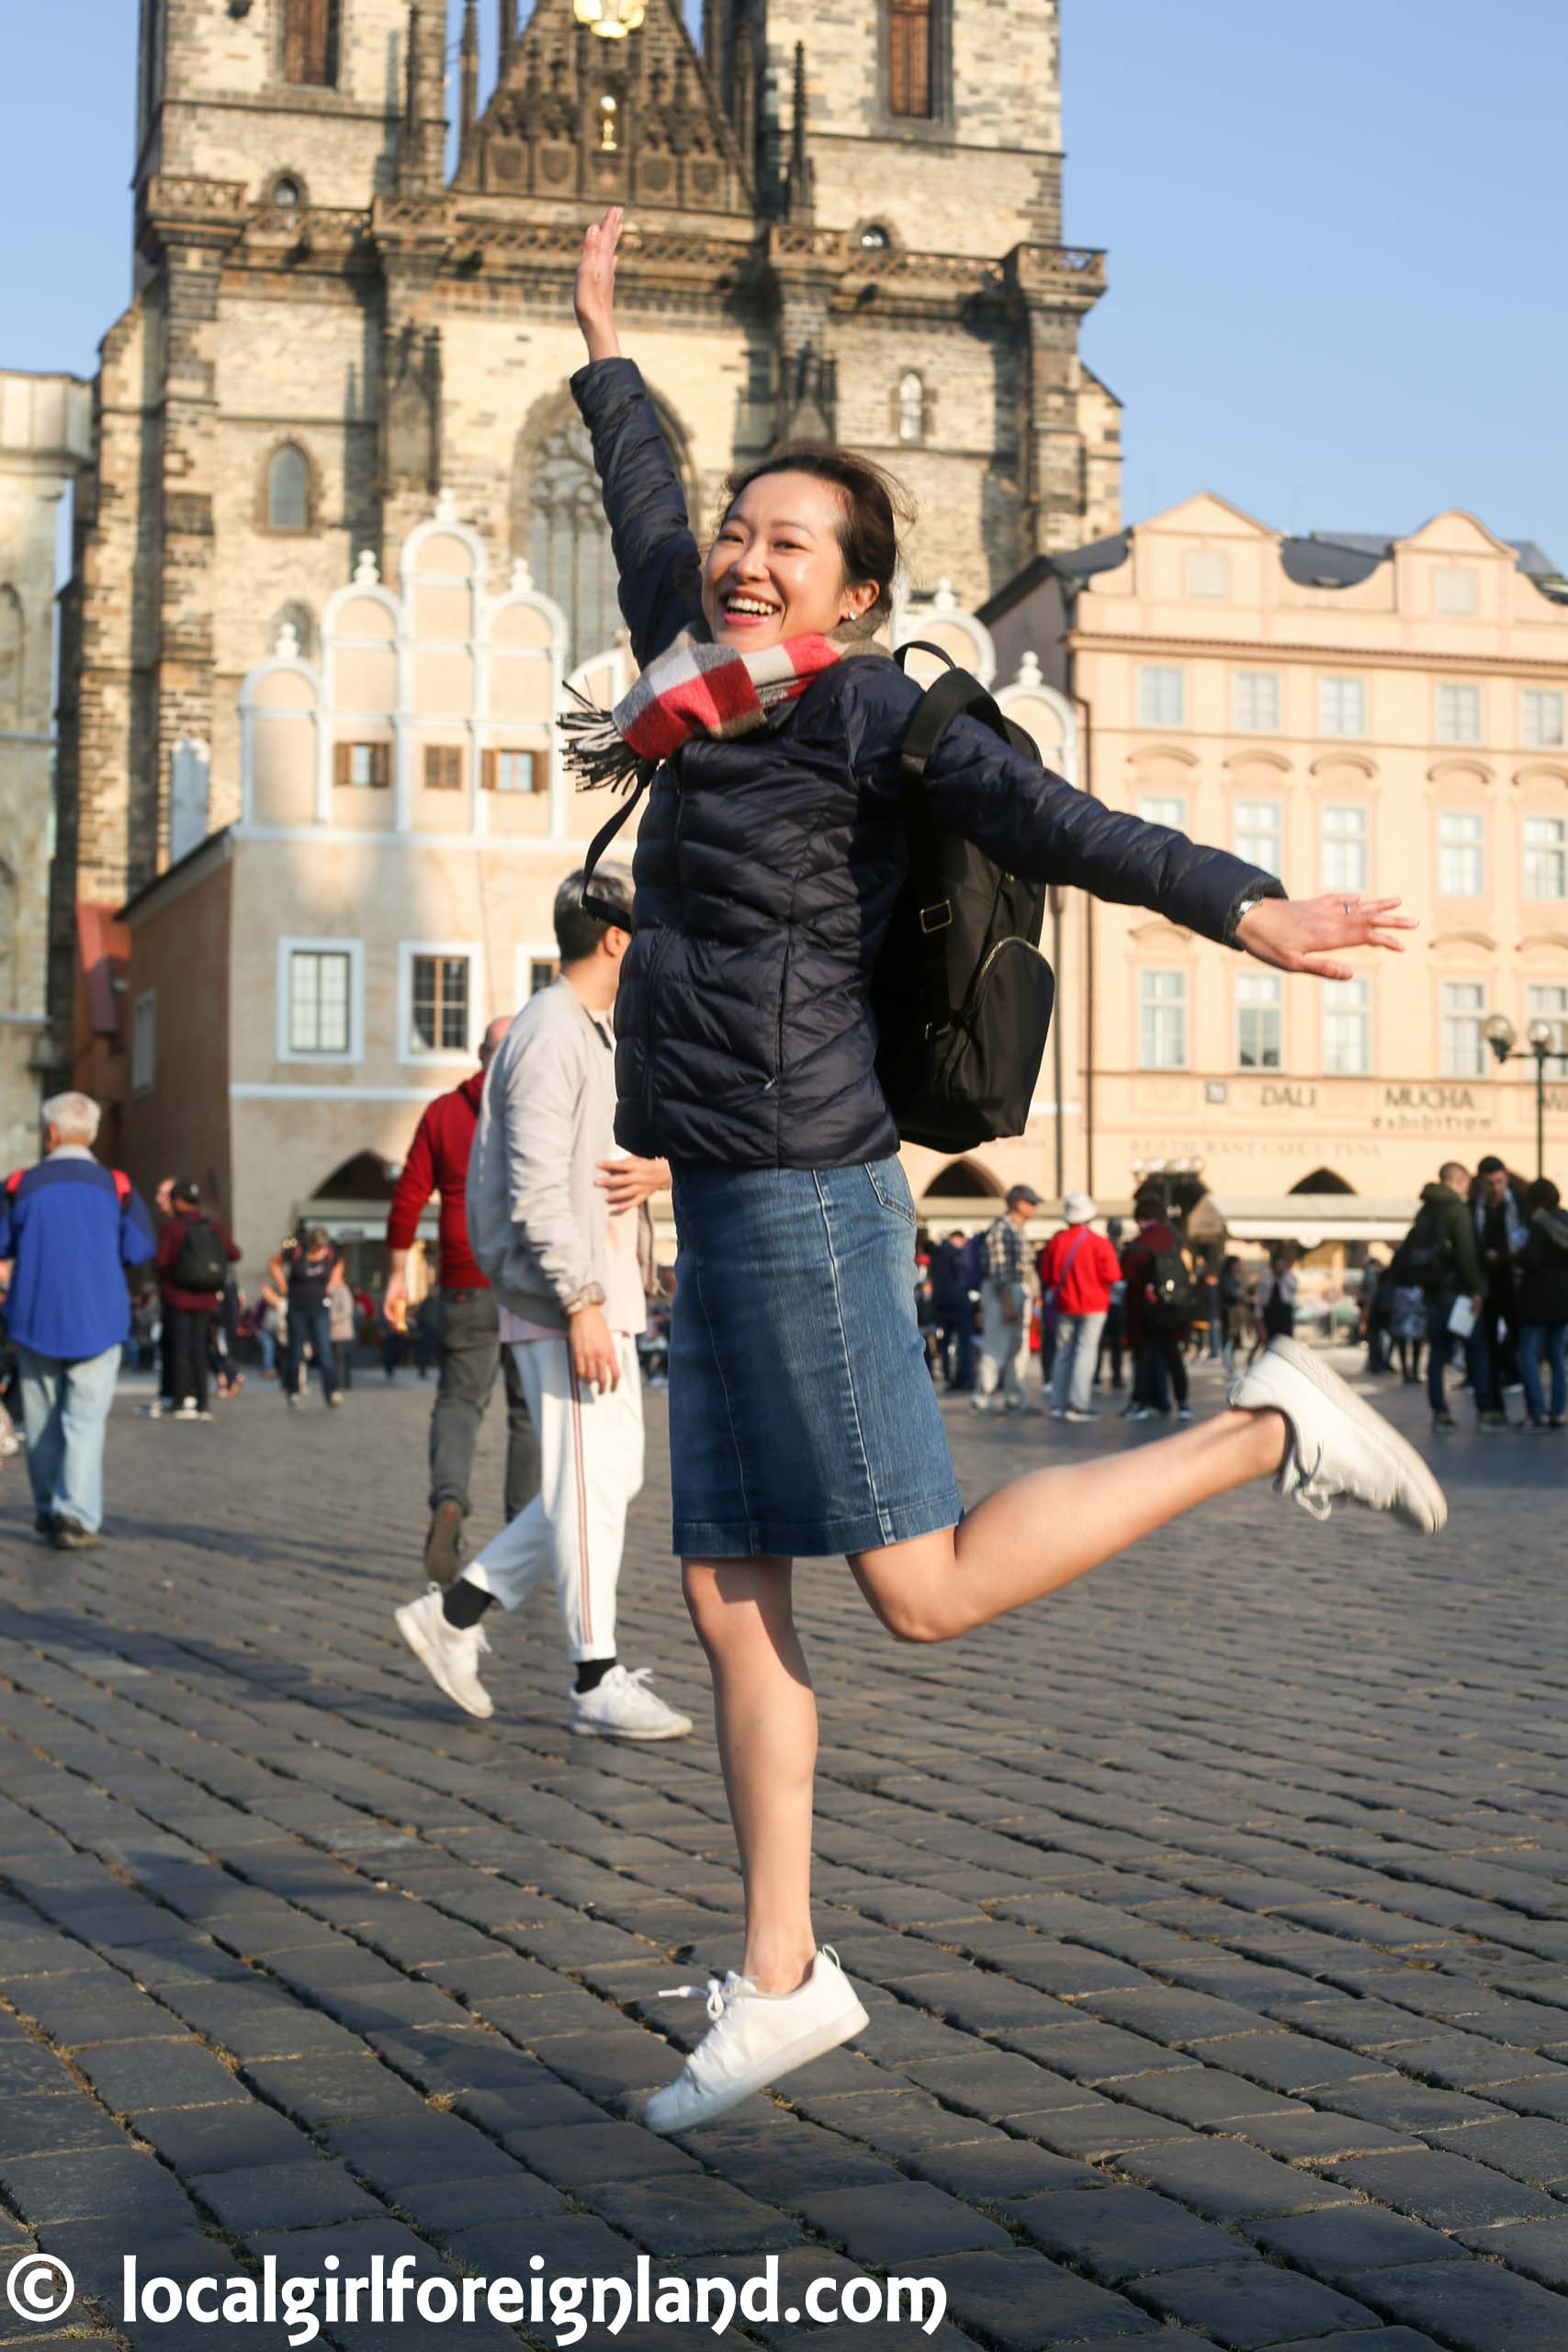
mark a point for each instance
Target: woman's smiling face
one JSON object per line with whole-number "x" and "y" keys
{"x": 776, "y": 568}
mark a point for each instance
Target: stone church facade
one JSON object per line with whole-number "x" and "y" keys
{"x": 845, "y": 219}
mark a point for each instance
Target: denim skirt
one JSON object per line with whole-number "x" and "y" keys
{"x": 803, "y": 1420}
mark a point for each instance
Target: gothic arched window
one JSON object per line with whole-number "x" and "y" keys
{"x": 569, "y": 542}
{"x": 911, "y": 408}
{"x": 288, "y": 490}
{"x": 310, "y": 42}
{"x": 910, "y": 81}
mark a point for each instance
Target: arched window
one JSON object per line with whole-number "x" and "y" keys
{"x": 911, "y": 408}
{"x": 310, "y": 42}
{"x": 910, "y": 81}
{"x": 11, "y": 635}
{"x": 302, "y": 620}
{"x": 568, "y": 541}
{"x": 288, "y": 490}
{"x": 287, "y": 192}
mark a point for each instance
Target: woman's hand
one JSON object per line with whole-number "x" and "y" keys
{"x": 627, "y": 1183}
{"x": 593, "y": 296}
{"x": 1302, "y": 935}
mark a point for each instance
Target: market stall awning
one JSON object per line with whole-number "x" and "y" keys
{"x": 1308, "y": 1219}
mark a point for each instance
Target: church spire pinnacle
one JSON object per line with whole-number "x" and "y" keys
{"x": 800, "y": 186}
{"x": 468, "y": 85}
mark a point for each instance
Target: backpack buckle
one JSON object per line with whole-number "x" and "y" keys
{"x": 936, "y": 918}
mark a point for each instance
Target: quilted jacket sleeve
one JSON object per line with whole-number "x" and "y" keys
{"x": 1035, "y": 824}
{"x": 656, "y": 555}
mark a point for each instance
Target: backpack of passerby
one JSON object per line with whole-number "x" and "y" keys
{"x": 1171, "y": 1294}
{"x": 203, "y": 1261}
{"x": 1424, "y": 1257}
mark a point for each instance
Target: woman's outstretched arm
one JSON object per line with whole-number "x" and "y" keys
{"x": 656, "y": 562}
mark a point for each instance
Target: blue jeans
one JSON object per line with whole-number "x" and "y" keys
{"x": 1554, "y": 1338}
{"x": 65, "y": 1403}
{"x": 1439, "y": 1341}
{"x": 313, "y": 1324}
{"x": 268, "y": 1342}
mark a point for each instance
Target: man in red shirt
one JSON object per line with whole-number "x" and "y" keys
{"x": 1077, "y": 1267}
{"x": 471, "y": 1349}
{"x": 195, "y": 1254}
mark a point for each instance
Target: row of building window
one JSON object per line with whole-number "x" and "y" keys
{"x": 446, "y": 768}
{"x": 1256, "y": 706}
{"x": 1456, "y": 588}
{"x": 1259, "y": 1023}
{"x": 1344, "y": 848}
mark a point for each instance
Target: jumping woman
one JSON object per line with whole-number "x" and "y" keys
{"x": 802, "y": 1416}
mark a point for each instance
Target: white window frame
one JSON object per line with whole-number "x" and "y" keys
{"x": 471, "y": 953}
{"x": 1206, "y": 572}
{"x": 1340, "y": 837}
{"x": 1460, "y": 711}
{"x": 1349, "y": 1003}
{"x": 528, "y": 952}
{"x": 1259, "y": 992}
{"x": 1536, "y": 1009}
{"x": 1164, "y": 809}
{"x": 1333, "y": 693}
{"x": 1451, "y": 1020}
{"x": 354, "y": 950}
{"x": 1254, "y": 687}
{"x": 1154, "y": 680}
{"x": 144, "y": 1043}
{"x": 1542, "y": 719}
{"x": 1470, "y": 845}
{"x": 1175, "y": 1001}
{"x": 1256, "y": 833}
{"x": 1555, "y": 850}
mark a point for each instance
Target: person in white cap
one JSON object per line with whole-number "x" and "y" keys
{"x": 1077, "y": 1267}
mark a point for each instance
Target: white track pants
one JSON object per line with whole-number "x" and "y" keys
{"x": 574, "y": 1530}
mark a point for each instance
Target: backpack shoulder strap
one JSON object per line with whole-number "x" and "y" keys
{"x": 14, "y": 1182}
{"x": 601, "y": 909}
{"x": 121, "y": 1187}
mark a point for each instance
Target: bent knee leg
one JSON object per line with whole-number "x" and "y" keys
{"x": 914, "y": 1588}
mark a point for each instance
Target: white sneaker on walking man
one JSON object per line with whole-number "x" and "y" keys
{"x": 557, "y": 1223}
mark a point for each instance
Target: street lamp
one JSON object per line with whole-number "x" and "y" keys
{"x": 611, "y": 19}
{"x": 1501, "y": 1034}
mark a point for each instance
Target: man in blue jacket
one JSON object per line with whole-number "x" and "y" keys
{"x": 69, "y": 1228}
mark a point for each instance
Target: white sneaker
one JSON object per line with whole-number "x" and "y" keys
{"x": 1077, "y": 1418}
{"x": 755, "y": 2038}
{"x": 1338, "y": 1445}
{"x": 187, "y": 1410}
{"x": 449, "y": 1654}
{"x": 623, "y": 1707}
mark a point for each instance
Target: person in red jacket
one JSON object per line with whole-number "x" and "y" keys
{"x": 1077, "y": 1267}
{"x": 471, "y": 1350}
{"x": 195, "y": 1254}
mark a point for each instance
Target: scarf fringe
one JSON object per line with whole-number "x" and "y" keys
{"x": 596, "y": 751}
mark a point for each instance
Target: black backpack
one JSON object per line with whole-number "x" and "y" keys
{"x": 1422, "y": 1258}
{"x": 962, "y": 995}
{"x": 203, "y": 1263}
{"x": 1170, "y": 1296}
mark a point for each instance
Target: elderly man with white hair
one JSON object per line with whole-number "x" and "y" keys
{"x": 69, "y": 1228}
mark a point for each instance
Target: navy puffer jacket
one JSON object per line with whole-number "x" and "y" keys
{"x": 767, "y": 869}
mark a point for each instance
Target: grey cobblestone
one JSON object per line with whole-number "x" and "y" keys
{"x": 1235, "y": 1873}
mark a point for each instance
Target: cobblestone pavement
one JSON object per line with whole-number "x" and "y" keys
{"x": 1210, "y": 1919}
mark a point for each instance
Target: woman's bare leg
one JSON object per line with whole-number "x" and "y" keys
{"x": 766, "y": 1718}
{"x": 1043, "y": 1530}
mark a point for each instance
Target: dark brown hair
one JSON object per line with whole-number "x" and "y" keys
{"x": 876, "y": 508}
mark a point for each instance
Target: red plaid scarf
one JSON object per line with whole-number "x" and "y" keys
{"x": 693, "y": 689}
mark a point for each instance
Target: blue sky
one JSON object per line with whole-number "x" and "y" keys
{"x": 1336, "y": 236}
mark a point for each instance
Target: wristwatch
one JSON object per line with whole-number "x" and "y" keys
{"x": 1238, "y": 915}
{"x": 591, "y": 1294}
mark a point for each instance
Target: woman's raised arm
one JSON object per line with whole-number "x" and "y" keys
{"x": 656, "y": 562}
